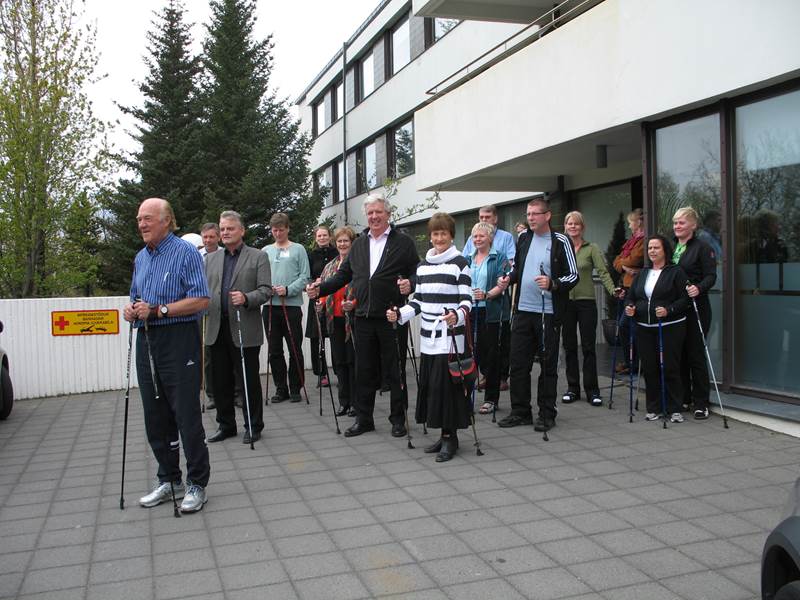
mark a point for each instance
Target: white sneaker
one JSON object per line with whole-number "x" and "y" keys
{"x": 651, "y": 417}
{"x": 676, "y": 418}
{"x": 162, "y": 493}
{"x": 194, "y": 500}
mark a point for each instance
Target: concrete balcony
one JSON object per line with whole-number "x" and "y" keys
{"x": 507, "y": 11}
{"x": 541, "y": 111}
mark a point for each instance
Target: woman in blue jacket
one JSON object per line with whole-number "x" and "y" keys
{"x": 491, "y": 307}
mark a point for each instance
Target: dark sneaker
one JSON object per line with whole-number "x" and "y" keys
{"x": 295, "y": 397}
{"x": 544, "y": 424}
{"x": 569, "y": 397}
{"x": 514, "y": 421}
{"x": 279, "y": 397}
{"x": 701, "y": 414}
{"x": 596, "y": 400}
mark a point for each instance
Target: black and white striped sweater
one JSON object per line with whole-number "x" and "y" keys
{"x": 444, "y": 282}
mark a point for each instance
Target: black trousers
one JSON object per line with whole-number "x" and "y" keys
{"x": 176, "y": 411}
{"x": 487, "y": 353}
{"x": 694, "y": 366}
{"x": 313, "y": 342}
{"x": 581, "y": 315}
{"x": 344, "y": 363}
{"x": 647, "y": 339}
{"x": 275, "y": 322}
{"x": 526, "y": 343}
{"x": 226, "y": 364}
{"x": 376, "y": 354}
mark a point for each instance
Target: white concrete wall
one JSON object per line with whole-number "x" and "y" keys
{"x": 623, "y": 61}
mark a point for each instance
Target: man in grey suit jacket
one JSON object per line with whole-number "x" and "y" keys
{"x": 239, "y": 281}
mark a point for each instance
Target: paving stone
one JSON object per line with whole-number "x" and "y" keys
{"x": 346, "y": 585}
{"x": 393, "y": 580}
{"x": 706, "y": 586}
{"x": 548, "y": 584}
{"x": 607, "y": 573}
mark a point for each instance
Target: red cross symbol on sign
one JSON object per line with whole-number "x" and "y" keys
{"x": 61, "y": 323}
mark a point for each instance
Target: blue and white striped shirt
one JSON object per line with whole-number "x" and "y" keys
{"x": 171, "y": 271}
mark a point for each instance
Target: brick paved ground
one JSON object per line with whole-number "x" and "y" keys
{"x": 604, "y": 510}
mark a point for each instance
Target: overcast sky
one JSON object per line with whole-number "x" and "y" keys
{"x": 306, "y": 33}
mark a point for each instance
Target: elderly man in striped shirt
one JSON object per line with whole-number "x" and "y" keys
{"x": 168, "y": 296}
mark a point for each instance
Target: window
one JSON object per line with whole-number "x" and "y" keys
{"x": 341, "y": 181}
{"x": 366, "y": 168}
{"x": 767, "y": 243}
{"x": 401, "y": 45}
{"x": 442, "y": 26}
{"x": 324, "y": 187}
{"x": 403, "y": 149}
{"x": 338, "y": 101}
{"x": 367, "y": 75}
{"x": 319, "y": 117}
{"x": 687, "y": 157}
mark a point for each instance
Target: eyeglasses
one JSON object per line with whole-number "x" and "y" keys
{"x": 539, "y": 213}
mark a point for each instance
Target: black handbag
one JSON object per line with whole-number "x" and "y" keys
{"x": 463, "y": 369}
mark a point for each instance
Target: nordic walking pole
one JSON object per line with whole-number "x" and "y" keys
{"x": 544, "y": 347}
{"x": 203, "y": 364}
{"x": 412, "y": 351}
{"x": 176, "y": 512}
{"x": 506, "y": 273}
{"x": 244, "y": 377}
{"x": 638, "y": 383}
{"x": 269, "y": 334}
{"x": 320, "y": 358}
{"x": 630, "y": 368}
{"x": 614, "y": 353}
{"x": 330, "y": 390}
{"x": 710, "y": 366}
{"x": 125, "y": 426}
{"x": 661, "y": 368}
{"x": 300, "y": 372}
{"x": 400, "y": 375}
{"x": 477, "y": 443}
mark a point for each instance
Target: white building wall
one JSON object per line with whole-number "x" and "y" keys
{"x": 621, "y": 62}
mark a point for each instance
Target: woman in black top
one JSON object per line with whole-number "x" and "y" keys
{"x": 658, "y": 296}
{"x": 699, "y": 262}
{"x": 322, "y": 253}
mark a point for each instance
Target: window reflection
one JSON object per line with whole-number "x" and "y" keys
{"x": 688, "y": 174}
{"x": 404, "y": 149}
{"x": 370, "y": 167}
{"x": 442, "y": 26}
{"x": 768, "y": 243}
{"x": 401, "y": 46}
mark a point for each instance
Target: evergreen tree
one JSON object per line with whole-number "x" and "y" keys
{"x": 256, "y": 158}
{"x": 167, "y": 165}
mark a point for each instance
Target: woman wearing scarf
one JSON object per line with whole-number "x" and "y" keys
{"x": 628, "y": 263}
{"x": 443, "y": 299}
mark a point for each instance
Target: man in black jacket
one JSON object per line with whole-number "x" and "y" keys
{"x": 545, "y": 271}
{"x": 378, "y": 267}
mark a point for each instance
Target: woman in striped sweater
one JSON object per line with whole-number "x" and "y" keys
{"x": 443, "y": 296}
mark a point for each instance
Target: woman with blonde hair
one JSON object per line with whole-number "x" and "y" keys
{"x": 699, "y": 262}
{"x": 581, "y": 313}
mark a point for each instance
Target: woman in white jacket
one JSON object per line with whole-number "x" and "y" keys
{"x": 442, "y": 298}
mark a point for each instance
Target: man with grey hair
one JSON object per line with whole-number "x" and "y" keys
{"x": 239, "y": 283}
{"x": 378, "y": 268}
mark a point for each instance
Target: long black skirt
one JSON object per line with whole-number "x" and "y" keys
{"x": 441, "y": 404}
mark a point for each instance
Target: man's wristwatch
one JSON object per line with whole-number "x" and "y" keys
{"x": 163, "y": 310}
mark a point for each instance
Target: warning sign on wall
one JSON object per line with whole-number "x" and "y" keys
{"x": 84, "y": 322}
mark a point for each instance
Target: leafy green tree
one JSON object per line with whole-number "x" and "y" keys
{"x": 53, "y": 162}
{"x": 256, "y": 159}
{"x": 168, "y": 163}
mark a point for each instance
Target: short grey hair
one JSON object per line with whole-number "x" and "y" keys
{"x": 377, "y": 197}
{"x": 232, "y": 214}
{"x": 488, "y": 228}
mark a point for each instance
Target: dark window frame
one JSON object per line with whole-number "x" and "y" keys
{"x": 391, "y": 152}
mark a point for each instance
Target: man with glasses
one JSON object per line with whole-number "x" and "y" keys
{"x": 545, "y": 270}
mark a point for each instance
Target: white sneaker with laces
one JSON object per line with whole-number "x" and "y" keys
{"x": 194, "y": 500}
{"x": 651, "y": 417}
{"x": 676, "y": 418}
{"x": 162, "y": 493}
